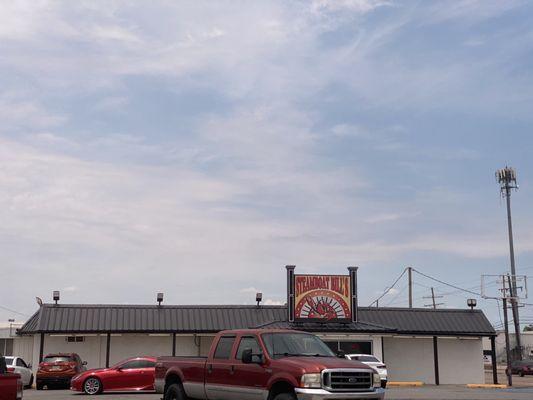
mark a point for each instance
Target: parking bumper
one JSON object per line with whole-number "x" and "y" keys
{"x": 321, "y": 394}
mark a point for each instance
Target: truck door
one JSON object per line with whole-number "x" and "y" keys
{"x": 218, "y": 375}
{"x": 249, "y": 381}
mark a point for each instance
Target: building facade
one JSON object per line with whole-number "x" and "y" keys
{"x": 415, "y": 344}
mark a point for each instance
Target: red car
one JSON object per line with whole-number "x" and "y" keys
{"x": 133, "y": 374}
{"x": 57, "y": 369}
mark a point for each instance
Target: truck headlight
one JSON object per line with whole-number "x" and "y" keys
{"x": 377, "y": 380}
{"x": 310, "y": 381}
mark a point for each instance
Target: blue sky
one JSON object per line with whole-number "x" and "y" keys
{"x": 197, "y": 147}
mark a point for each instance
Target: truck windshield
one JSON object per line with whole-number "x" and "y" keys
{"x": 287, "y": 344}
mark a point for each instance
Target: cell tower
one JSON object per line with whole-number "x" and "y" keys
{"x": 506, "y": 177}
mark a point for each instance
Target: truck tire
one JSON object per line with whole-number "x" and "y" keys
{"x": 285, "y": 396}
{"x": 175, "y": 392}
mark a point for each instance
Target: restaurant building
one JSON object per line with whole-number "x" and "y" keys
{"x": 442, "y": 346}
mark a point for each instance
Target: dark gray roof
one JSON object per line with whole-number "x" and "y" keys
{"x": 65, "y": 318}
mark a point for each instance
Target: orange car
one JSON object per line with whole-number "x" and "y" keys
{"x": 58, "y": 370}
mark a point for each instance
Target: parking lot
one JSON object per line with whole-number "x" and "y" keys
{"x": 445, "y": 392}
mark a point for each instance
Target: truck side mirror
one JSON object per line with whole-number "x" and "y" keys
{"x": 248, "y": 357}
{"x": 341, "y": 354}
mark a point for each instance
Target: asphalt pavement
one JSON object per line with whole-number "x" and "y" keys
{"x": 444, "y": 392}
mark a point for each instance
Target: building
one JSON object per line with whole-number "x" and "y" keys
{"x": 501, "y": 355}
{"x": 416, "y": 344}
{"x": 6, "y": 340}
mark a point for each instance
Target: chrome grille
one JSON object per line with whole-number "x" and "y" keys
{"x": 347, "y": 380}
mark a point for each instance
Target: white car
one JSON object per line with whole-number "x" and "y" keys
{"x": 374, "y": 362}
{"x": 19, "y": 366}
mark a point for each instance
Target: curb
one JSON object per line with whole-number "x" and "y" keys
{"x": 405, "y": 384}
{"x": 485, "y": 386}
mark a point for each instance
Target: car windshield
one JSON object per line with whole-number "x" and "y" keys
{"x": 287, "y": 344}
{"x": 365, "y": 358}
{"x": 57, "y": 359}
{"x": 9, "y": 360}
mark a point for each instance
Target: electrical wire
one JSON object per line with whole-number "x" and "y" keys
{"x": 446, "y": 284}
{"x": 389, "y": 288}
{"x": 13, "y": 311}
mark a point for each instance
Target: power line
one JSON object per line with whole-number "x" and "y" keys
{"x": 13, "y": 311}
{"x": 389, "y": 288}
{"x": 447, "y": 284}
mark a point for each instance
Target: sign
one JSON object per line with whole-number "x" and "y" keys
{"x": 322, "y": 297}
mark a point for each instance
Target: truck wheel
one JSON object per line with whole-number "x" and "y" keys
{"x": 39, "y": 386}
{"x": 175, "y": 392}
{"x": 285, "y": 396}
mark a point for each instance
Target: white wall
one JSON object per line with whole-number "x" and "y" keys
{"x": 185, "y": 346}
{"x": 130, "y": 345}
{"x": 23, "y": 347}
{"x": 409, "y": 359}
{"x": 460, "y": 361}
{"x": 91, "y": 350}
{"x": 205, "y": 345}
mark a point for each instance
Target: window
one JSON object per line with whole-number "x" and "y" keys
{"x": 292, "y": 344}
{"x": 133, "y": 364}
{"x": 224, "y": 346}
{"x": 21, "y": 363}
{"x": 75, "y": 339}
{"x": 365, "y": 358}
{"x": 146, "y": 364}
{"x": 248, "y": 343}
{"x": 57, "y": 359}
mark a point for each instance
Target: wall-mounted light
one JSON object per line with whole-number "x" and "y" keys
{"x": 471, "y": 303}
{"x": 159, "y": 298}
{"x": 56, "y": 296}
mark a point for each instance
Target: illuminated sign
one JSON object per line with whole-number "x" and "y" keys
{"x": 322, "y": 297}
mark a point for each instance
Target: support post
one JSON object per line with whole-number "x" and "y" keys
{"x": 436, "y": 360}
{"x": 507, "y": 344}
{"x": 41, "y": 348}
{"x": 493, "y": 359}
{"x": 353, "y": 289}
{"x": 174, "y": 344}
{"x": 382, "y": 350}
{"x": 108, "y": 348}
{"x": 410, "y": 274}
{"x": 290, "y": 292}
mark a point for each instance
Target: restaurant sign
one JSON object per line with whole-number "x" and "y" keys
{"x": 322, "y": 298}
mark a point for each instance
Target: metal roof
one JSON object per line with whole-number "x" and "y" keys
{"x": 83, "y": 318}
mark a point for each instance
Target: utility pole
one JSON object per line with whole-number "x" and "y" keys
{"x": 433, "y": 297}
{"x": 507, "y": 345}
{"x": 507, "y": 179}
{"x": 410, "y": 274}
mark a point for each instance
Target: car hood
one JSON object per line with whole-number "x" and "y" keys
{"x": 317, "y": 364}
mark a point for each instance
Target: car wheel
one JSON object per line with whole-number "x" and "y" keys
{"x": 31, "y": 382}
{"x": 521, "y": 374}
{"x": 285, "y": 396}
{"x": 39, "y": 386}
{"x": 175, "y": 392}
{"x": 92, "y": 386}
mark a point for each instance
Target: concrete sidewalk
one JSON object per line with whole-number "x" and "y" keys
{"x": 458, "y": 392}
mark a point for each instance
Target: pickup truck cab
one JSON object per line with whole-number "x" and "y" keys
{"x": 10, "y": 384}
{"x": 261, "y": 364}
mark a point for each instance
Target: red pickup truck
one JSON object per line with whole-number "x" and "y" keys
{"x": 10, "y": 387}
{"x": 261, "y": 364}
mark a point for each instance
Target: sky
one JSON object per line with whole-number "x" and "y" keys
{"x": 198, "y": 147}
